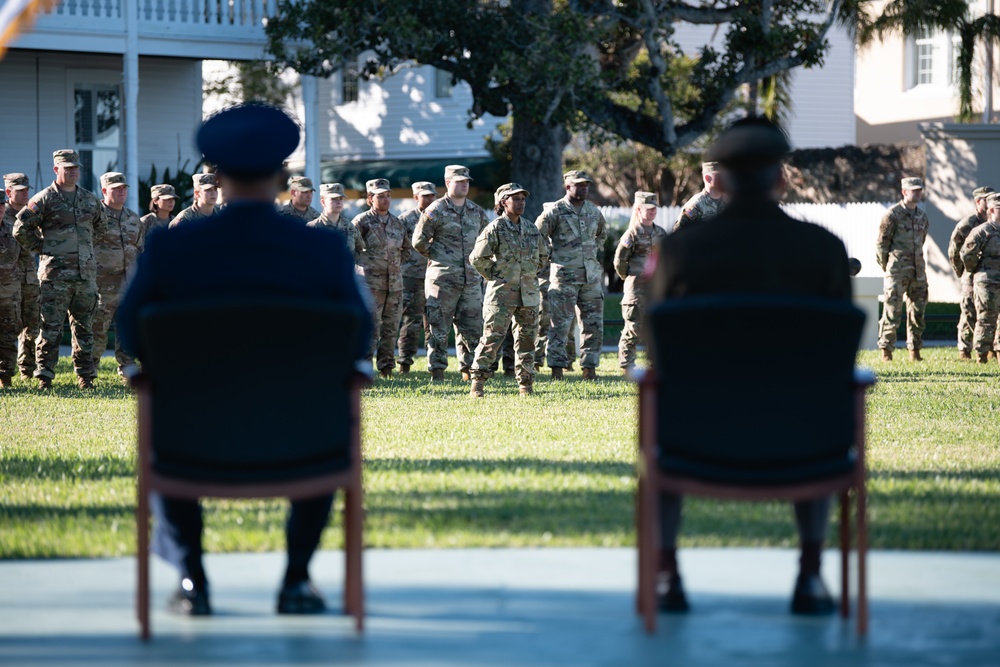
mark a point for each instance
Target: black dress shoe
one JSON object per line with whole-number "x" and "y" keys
{"x": 189, "y": 601}
{"x": 300, "y": 598}
{"x": 670, "y": 594}
{"x": 811, "y": 597}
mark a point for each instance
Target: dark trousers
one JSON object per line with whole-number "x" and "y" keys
{"x": 178, "y": 527}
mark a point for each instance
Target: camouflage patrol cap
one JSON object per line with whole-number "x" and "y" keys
{"x": 66, "y": 157}
{"x": 913, "y": 184}
{"x": 204, "y": 181}
{"x": 978, "y": 193}
{"x": 300, "y": 183}
{"x": 646, "y": 199}
{"x": 163, "y": 191}
{"x": 377, "y": 186}
{"x": 749, "y": 143}
{"x": 331, "y": 190}
{"x": 456, "y": 172}
{"x": 113, "y": 179}
{"x": 16, "y": 181}
{"x": 993, "y": 200}
{"x": 506, "y": 190}
{"x": 709, "y": 168}
{"x": 423, "y": 188}
{"x": 576, "y": 176}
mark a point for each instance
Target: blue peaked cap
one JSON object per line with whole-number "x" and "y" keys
{"x": 248, "y": 140}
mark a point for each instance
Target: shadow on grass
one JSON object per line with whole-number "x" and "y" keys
{"x": 486, "y": 466}
{"x": 39, "y": 468}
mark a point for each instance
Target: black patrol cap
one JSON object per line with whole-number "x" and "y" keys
{"x": 248, "y": 141}
{"x": 749, "y": 143}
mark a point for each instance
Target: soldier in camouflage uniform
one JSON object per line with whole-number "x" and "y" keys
{"x": 10, "y": 297}
{"x": 60, "y": 223}
{"x": 899, "y": 250}
{"x": 18, "y": 191}
{"x": 300, "y": 203}
{"x": 115, "y": 251}
{"x": 574, "y": 230}
{"x": 507, "y": 254}
{"x": 331, "y": 197}
{"x": 981, "y": 256}
{"x": 414, "y": 273}
{"x": 634, "y": 248}
{"x": 386, "y": 246}
{"x": 445, "y": 234}
{"x": 967, "y": 304}
{"x": 206, "y": 194}
{"x": 706, "y": 204}
{"x": 162, "y": 199}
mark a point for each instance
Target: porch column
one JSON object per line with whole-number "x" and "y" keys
{"x": 310, "y": 104}
{"x": 131, "y": 85}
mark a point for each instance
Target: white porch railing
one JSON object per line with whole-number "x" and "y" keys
{"x": 210, "y": 13}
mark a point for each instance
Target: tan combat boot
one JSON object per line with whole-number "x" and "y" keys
{"x": 525, "y": 388}
{"x": 965, "y": 355}
{"x": 478, "y": 388}
{"x": 991, "y": 354}
{"x": 4, "y": 381}
{"x": 466, "y": 375}
{"x": 589, "y": 374}
{"x": 437, "y": 375}
{"x": 982, "y": 358}
{"x": 84, "y": 383}
{"x": 915, "y": 355}
{"x": 44, "y": 382}
{"x": 886, "y": 354}
{"x": 404, "y": 369}
{"x": 557, "y": 373}
{"x": 386, "y": 373}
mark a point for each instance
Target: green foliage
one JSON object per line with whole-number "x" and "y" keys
{"x": 251, "y": 80}
{"x": 181, "y": 179}
{"x": 555, "y": 469}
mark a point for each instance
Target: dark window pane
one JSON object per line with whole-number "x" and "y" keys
{"x": 83, "y": 111}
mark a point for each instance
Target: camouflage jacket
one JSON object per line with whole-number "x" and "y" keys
{"x": 309, "y": 214}
{"x": 508, "y": 255}
{"x": 62, "y": 233}
{"x": 981, "y": 253}
{"x": 385, "y": 247}
{"x": 415, "y": 266}
{"x": 634, "y": 248}
{"x": 10, "y": 252}
{"x": 446, "y": 235}
{"x": 899, "y": 245}
{"x": 576, "y": 240}
{"x": 148, "y": 223}
{"x": 27, "y": 263}
{"x": 698, "y": 208}
{"x": 191, "y": 213}
{"x": 117, "y": 248}
{"x": 958, "y": 237}
{"x": 344, "y": 226}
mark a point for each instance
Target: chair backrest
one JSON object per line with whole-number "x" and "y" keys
{"x": 755, "y": 389}
{"x": 250, "y": 389}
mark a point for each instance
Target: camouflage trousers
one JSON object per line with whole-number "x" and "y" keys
{"x": 966, "y": 316}
{"x": 506, "y": 351}
{"x": 10, "y": 326}
{"x": 109, "y": 292}
{"x": 587, "y": 303}
{"x": 414, "y": 319}
{"x": 900, "y": 288}
{"x": 30, "y": 326}
{"x": 632, "y": 313}
{"x": 55, "y": 299}
{"x": 497, "y": 321}
{"x": 987, "y": 295}
{"x": 385, "y": 317}
{"x": 544, "y": 319}
{"x": 459, "y": 305}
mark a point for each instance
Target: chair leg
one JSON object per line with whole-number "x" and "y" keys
{"x": 142, "y": 561}
{"x": 353, "y": 580}
{"x": 650, "y": 517}
{"x": 640, "y": 552}
{"x": 862, "y": 509}
{"x": 845, "y": 553}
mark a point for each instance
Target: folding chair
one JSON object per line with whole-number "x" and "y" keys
{"x": 755, "y": 398}
{"x": 232, "y": 405}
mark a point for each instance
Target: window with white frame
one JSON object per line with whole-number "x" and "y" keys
{"x": 934, "y": 58}
{"x": 348, "y": 84}
{"x": 97, "y": 128}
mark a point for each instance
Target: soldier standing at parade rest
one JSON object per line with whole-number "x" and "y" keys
{"x": 18, "y": 191}
{"x": 331, "y": 197}
{"x": 899, "y": 250}
{"x": 115, "y": 251}
{"x": 634, "y": 248}
{"x": 386, "y": 246}
{"x": 162, "y": 199}
{"x": 59, "y": 223}
{"x": 206, "y": 194}
{"x": 507, "y": 254}
{"x": 706, "y": 204}
{"x": 299, "y": 204}
{"x": 575, "y": 231}
{"x": 981, "y": 256}
{"x": 445, "y": 234}
{"x": 967, "y": 303}
{"x": 414, "y": 274}
{"x": 10, "y": 297}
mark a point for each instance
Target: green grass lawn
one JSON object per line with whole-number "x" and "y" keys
{"x": 555, "y": 469}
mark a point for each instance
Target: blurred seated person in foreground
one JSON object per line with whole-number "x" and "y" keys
{"x": 248, "y": 249}
{"x": 752, "y": 247}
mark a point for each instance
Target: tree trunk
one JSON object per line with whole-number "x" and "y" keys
{"x": 536, "y": 161}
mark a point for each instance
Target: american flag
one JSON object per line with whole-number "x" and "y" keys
{"x": 16, "y": 16}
